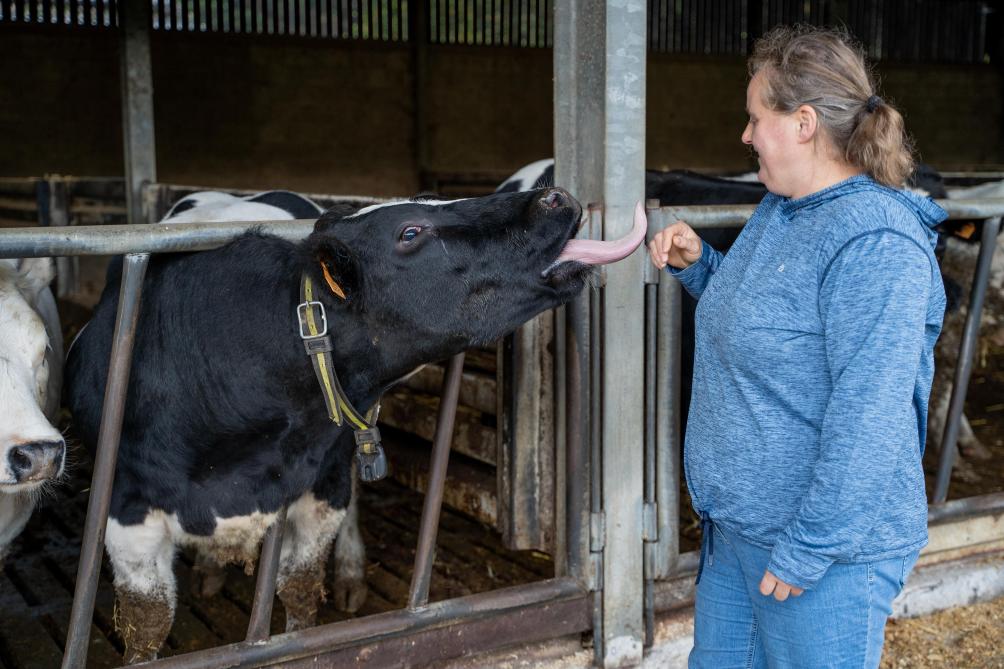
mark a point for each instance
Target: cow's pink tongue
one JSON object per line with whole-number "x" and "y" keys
{"x": 595, "y": 252}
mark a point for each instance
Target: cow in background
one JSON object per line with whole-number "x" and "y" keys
{"x": 958, "y": 263}
{"x": 32, "y": 450}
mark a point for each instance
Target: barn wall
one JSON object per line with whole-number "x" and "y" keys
{"x": 339, "y": 116}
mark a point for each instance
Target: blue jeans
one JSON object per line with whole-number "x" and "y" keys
{"x": 838, "y": 623}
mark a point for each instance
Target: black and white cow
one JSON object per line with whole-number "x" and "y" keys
{"x": 32, "y": 451}
{"x": 225, "y": 420}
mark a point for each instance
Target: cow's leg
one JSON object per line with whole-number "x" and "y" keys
{"x": 969, "y": 445}
{"x": 208, "y": 576}
{"x": 350, "y": 561}
{"x": 311, "y": 526}
{"x": 141, "y": 558}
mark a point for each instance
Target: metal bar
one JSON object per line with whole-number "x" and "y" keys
{"x": 560, "y": 478}
{"x": 137, "y": 106}
{"x": 960, "y": 509}
{"x": 89, "y": 567}
{"x": 578, "y": 115}
{"x": 268, "y": 568}
{"x": 418, "y": 17}
{"x": 668, "y": 412}
{"x": 418, "y": 596}
{"x": 736, "y": 215}
{"x": 156, "y": 238}
{"x": 596, "y": 458}
{"x": 577, "y": 438}
{"x": 624, "y": 340}
{"x": 508, "y": 616}
{"x": 67, "y": 269}
{"x": 100, "y": 240}
{"x": 650, "y": 464}
{"x": 964, "y": 364}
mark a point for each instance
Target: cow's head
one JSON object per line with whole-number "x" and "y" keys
{"x": 31, "y": 450}
{"x": 436, "y": 277}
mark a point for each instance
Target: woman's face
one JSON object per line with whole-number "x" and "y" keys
{"x": 774, "y": 137}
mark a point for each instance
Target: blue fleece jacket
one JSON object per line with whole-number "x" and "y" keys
{"x": 813, "y": 366}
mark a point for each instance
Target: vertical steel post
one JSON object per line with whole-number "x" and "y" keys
{"x": 418, "y": 35}
{"x": 418, "y": 595}
{"x": 137, "y": 104}
{"x": 578, "y": 125}
{"x": 597, "y": 533}
{"x": 623, "y": 336}
{"x": 964, "y": 364}
{"x": 89, "y": 567}
{"x": 667, "y": 428}
{"x": 67, "y": 267}
{"x": 650, "y": 530}
{"x": 268, "y": 569}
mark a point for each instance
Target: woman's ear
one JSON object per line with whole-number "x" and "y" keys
{"x": 808, "y": 122}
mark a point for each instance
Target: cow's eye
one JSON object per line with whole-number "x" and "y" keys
{"x": 410, "y": 232}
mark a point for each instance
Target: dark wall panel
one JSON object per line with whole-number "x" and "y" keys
{"x": 329, "y": 116}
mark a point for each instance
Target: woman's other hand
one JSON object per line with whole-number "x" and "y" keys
{"x": 676, "y": 245}
{"x": 772, "y": 585}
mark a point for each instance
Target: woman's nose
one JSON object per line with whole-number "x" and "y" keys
{"x": 747, "y": 137}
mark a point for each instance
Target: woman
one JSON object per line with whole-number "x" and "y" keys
{"x": 812, "y": 371}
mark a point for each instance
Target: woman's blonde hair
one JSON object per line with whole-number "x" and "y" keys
{"x": 824, "y": 68}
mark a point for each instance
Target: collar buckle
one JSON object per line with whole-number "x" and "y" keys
{"x": 301, "y": 315}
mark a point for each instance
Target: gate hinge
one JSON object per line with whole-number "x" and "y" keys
{"x": 650, "y": 521}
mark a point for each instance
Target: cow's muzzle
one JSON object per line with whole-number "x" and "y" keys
{"x": 36, "y": 461}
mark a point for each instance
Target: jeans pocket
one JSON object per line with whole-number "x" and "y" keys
{"x": 907, "y": 566}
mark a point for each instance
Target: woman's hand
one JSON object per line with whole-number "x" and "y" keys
{"x": 676, "y": 245}
{"x": 772, "y": 584}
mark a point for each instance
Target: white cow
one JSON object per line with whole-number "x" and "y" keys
{"x": 32, "y": 451}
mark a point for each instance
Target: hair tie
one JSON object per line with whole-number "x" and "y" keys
{"x": 873, "y": 103}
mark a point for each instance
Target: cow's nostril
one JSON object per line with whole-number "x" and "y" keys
{"x": 20, "y": 461}
{"x": 554, "y": 199}
{"x": 37, "y": 460}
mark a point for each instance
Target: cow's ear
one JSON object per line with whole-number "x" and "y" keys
{"x": 335, "y": 266}
{"x": 34, "y": 274}
{"x": 331, "y": 216}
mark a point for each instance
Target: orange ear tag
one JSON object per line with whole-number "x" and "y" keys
{"x": 966, "y": 231}
{"x": 332, "y": 284}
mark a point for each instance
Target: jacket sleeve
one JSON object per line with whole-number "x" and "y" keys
{"x": 695, "y": 277}
{"x": 873, "y": 304}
